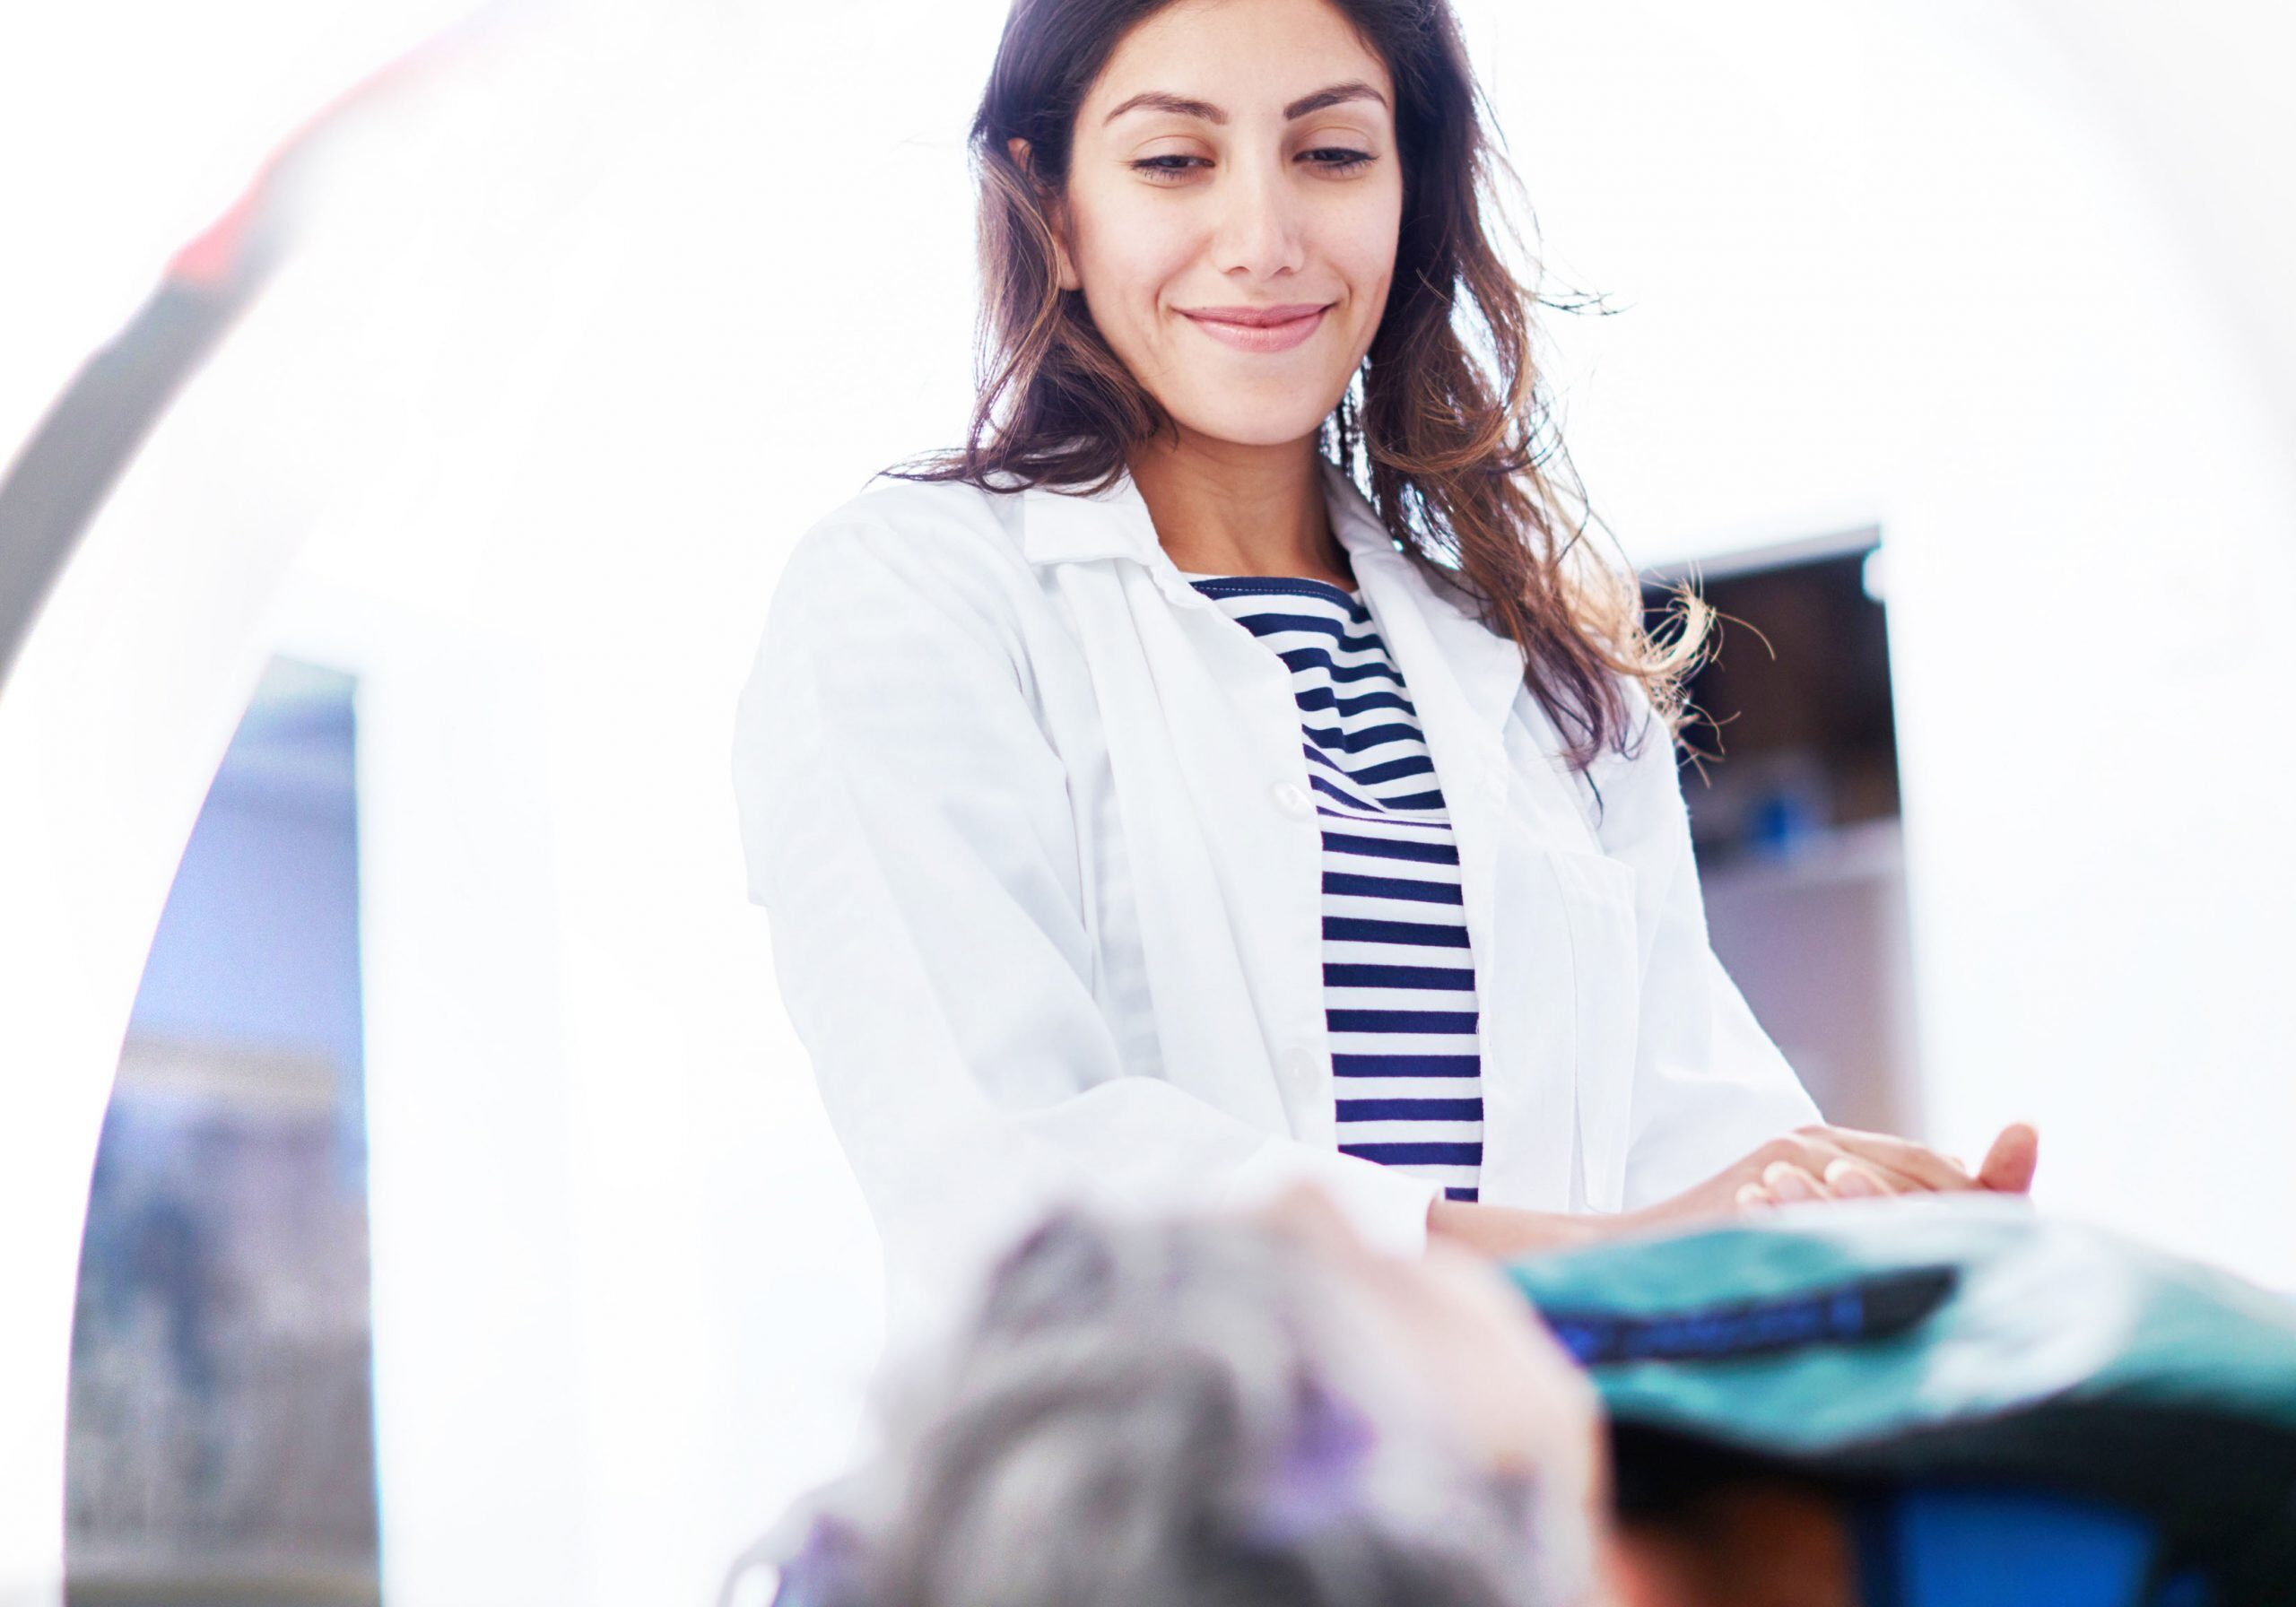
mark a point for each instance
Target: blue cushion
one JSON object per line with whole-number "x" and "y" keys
{"x": 1950, "y": 1547}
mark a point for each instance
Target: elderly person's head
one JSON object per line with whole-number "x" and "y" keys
{"x": 1199, "y": 1412}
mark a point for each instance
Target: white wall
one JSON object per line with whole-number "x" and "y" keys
{"x": 1892, "y": 265}
{"x": 542, "y": 424}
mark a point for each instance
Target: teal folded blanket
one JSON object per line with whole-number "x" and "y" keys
{"x": 1943, "y": 1341}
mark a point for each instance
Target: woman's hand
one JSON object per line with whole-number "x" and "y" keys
{"x": 1841, "y": 1163}
{"x": 1810, "y": 1163}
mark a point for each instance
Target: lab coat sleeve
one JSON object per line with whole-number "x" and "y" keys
{"x": 907, "y": 829}
{"x": 1709, "y": 1087}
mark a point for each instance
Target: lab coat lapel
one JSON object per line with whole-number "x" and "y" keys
{"x": 1464, "y": 679}
{"x": 1200, "y": 726}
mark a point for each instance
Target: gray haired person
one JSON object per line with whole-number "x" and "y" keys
{"x": 1261, "y": 1411}
{"x": 1908, "y": 1402}
{"x": 1194, "y": 1412}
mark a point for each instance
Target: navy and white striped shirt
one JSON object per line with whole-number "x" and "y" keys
{"x": 1399, "y": 984}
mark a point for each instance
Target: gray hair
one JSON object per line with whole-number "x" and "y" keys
{"x": 1175, "y": 1413}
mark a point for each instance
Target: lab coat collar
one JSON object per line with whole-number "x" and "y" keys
{"x": 1062, "y": 524}
{"x": 1066, "y": 525}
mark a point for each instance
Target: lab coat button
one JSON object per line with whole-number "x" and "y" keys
{"x": 1291, "y": 799}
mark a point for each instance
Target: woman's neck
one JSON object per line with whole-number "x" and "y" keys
{"x": 1224, "y": 509}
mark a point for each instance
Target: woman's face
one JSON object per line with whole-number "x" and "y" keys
{"x": 1237, "y": 158}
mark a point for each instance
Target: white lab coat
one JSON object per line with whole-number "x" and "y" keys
{"x": 1030, "y": 819}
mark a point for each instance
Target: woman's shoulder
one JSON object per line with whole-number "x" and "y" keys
{"x": 903, "y": 549}
{"x": 926, "y": 526}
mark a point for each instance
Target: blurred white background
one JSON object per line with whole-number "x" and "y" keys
{"x": 591, "y": 324}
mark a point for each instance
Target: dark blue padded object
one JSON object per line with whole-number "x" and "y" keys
{"x": 1975, "y": 1547}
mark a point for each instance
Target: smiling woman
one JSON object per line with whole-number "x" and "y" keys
{"x": 1143, "y": 164}
{"x": 1231, "y": 765}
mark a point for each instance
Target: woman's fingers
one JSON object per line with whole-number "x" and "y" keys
{"x": 1903, "y": 1166}
{"x": 1851, "y": 1178}
{"x": 1918, "y": 1163}
{"x": 1845, "y": 1163}
{"x": 1790, "y": 1183}
{"x": 1825, "y": 1154}
{"x": 2010, "y": 1164}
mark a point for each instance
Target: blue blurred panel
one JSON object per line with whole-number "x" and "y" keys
{"x": 1977, "y": 1547}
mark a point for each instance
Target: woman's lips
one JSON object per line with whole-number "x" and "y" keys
{"x": 1260, "y": 335}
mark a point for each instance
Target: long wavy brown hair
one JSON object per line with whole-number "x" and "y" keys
{"x": 1464, "y": 465}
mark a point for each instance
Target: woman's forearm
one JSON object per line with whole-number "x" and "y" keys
{"x": 1503, "y": 1230}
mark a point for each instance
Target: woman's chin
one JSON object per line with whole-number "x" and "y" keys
{"x": 1283, "y": 421}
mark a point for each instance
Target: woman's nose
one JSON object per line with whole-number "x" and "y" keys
{"x": 1259, "y": 228}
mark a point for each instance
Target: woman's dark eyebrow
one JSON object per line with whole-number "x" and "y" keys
{"x": 1354, "y": 89}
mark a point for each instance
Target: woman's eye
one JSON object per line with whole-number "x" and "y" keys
{"x": 1331, "y": 159}
{"x": 1156, "y": 168}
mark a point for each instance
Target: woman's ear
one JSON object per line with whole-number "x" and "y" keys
{"x": 1055, "y": 215}
{"x": 1069, "y": 281}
